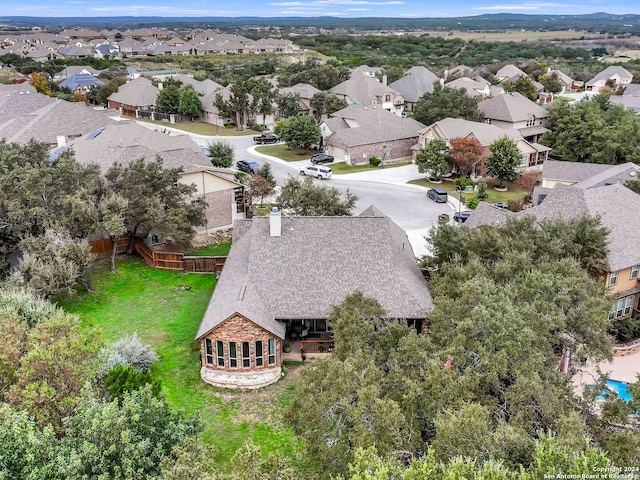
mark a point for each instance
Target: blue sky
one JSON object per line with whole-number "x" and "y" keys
{"x": 308, "y": 8}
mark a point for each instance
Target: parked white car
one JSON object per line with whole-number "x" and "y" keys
{"x": 318, "y": 171}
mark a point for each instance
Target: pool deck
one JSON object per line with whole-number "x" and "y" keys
{"x": 623, "y": 369}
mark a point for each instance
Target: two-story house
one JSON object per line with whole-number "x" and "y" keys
{"x": 366, "y": 90}
{"x": 512, "y": 110}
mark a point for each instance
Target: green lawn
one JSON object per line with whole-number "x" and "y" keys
{"x": 218, "y": 250}
{"x": 282, "y": 152}
{"x": 147, "y": 301}
{"x": 202, "y": 128}
{"x": 513, "y": 193}
{"x": 341, "y": 167}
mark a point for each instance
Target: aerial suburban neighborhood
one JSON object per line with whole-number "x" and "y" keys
{"x": 269, "y": 248}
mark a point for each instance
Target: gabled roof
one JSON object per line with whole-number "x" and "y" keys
{"x": 571, "y": 171}
{"x": 617, "y": 207}
{"x": 416, "y": 82}
{"x": 359, "y": 125}
{"x": 268, "y": 278}
{"x": 26, "y": 115}
{"x": 137, "y": 92}
{"x": 511, "y": 107}
{"x": 509, "y": 72}
{"x": 304, "y": 90}
{"x": 632, "y": 102}
{"x": 609, "y": 72}
{"x": 75, "y": 69}
{"x": 487, "y": 214}
{"x": 563, "y": 77}
{"x": 362, "y": 89}
{"x": 484, "y": 132}
{"x": 124, "y": 142}
{"x": 81, "y": 80}
{"x": 473, "y": 87}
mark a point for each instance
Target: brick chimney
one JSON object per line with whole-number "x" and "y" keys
{"x": 275, "y": 222}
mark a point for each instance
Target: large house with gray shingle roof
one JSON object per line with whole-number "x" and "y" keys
{"x": 533, "y": 154}
{"x": 357, "y": 133}
{"x": 416, "y": 82}
{"x": 135, "y": 95}
{"x": 369, "y": 91}
{"x": 280, "y": 278}
{"x": 514, "y": 110}
{"x": 615, "y": 75}
{"x": 571, "y": 190}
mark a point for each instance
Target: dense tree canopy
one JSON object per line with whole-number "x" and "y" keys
{"x": 505, "y": 156}
{"x": 446, "y": 102}
{"x": 593, "y": 131}
{"x": 523, "y": 85}
{"x": 308, "y": 198}
{"x": 434, "y": 158}
{"x": 298, "y": 132}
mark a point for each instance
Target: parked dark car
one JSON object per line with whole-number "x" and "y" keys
{"x": 322, "y": 158}
{"x": 504, "y": 205}
{"x": 266, "y": 138}
{"x": 438, "y": 195}
{"x": 248, "y": 166}
{"x": 461, "y": 217}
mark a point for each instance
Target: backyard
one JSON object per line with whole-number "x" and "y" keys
{"x": 157, "y": 305}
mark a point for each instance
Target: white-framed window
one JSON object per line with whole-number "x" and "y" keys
{"x": 259, "y": 354}
{"x": 272, "y": 351}
{"x": 208, "y": 345}
{"x": 634, "y": 272}
{"x": 621, "y": 307}
{"x": 613, "y": 279}
{"x": 233, "y": 355}
{"x": 246, "y": 355}
{"x": 220, "y": 353}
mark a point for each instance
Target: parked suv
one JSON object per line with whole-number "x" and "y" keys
{"x": 266, "y": 138}
{"x": 322, "y": 158}
{"x": 438, "y": 195}
{"x": 316, "y": 171}
{"x": 248, "y": 166}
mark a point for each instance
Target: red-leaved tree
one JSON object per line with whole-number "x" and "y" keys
{"x": 468, "y": 154}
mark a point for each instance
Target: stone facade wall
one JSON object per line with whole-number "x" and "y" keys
{"x": 396, "y": 151}
{"x": 238, "y": 329}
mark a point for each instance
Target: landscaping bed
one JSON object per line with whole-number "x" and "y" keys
{"x": 513, "y": 192}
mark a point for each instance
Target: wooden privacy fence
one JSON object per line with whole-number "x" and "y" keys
{"x": 176, "y": 261}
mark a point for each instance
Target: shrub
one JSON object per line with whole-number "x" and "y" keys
{"x": 122, "y": 379}
{"x": 129, "y": 351}
{"x": 625, "y": 330}
{"x": 375, "y": 161}
{"x": 472, "y": 203}
{"x": 463, "y": 182}
{"x": 482, "y": 191}
{"x": 527, "y": 180}
{"x": 229, "y": 125}
{"x": 257, "y": 128}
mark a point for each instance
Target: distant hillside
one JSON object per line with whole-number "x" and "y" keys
{"x": 593, "y": 22}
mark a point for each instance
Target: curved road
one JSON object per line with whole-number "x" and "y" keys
{"x": 407, "y": 205}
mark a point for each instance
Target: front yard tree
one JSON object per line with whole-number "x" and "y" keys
{"x": 299, "y": 132}
{"x": 157, "y": 201}
{"x": 40, "y": 83}
{"x": 446, "y": 102}
{"x": 263, "y": 97}
{"x": 238, "y": 103}
{"x": 288, "y": 105}
{"x": 324, "y": 103}
{"x": 551, "y": 83}
{"x": 504, "y": 158}
{"x": 523, "y": 85}
{"x": 308, "y": 198}
{"x": 259, "y": 187}
{"x": 467, "y": 155}
{"x": 221, "y": 154}
{"x": 434, "y": 158}
{"x": 189, "y": 102}
{"x": 266, "y": 173}
{"x": 168, "y": 100}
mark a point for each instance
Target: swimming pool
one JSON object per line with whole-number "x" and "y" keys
{"x": 619, "y": 387}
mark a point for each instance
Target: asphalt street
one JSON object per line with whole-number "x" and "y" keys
{"x": 386, "y": 189}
